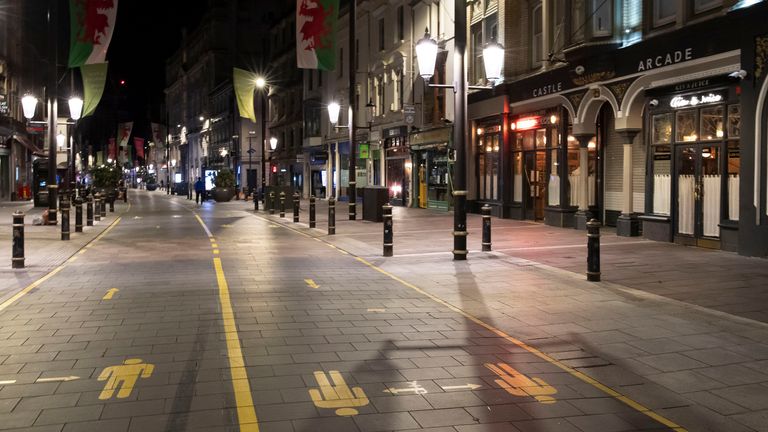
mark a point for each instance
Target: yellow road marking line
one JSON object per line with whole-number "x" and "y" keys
{"x": 214, "y": 245}
{"x": 246, "y": 413}
{"x": 311, "y": 283}
{"x": 215, "y": 251}
{"x": 53, "y": 272}
{"x": 580, "y": 375}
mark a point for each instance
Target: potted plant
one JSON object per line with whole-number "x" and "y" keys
{"x": 225, "y": 186}
{"x": 151, "y": 182}
{"x": 106, "y": 179}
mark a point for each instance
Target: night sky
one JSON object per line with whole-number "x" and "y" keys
{"x": 146, "y": 34}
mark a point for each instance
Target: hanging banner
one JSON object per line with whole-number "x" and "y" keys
{"x": 91, "y": 25}
{"x": 158, "y": 135}
{"x": 245, "y": 83}
{"x": 138, "y": 143}
{"x": 94, "y": 78}
{"x": 123, "y": 141}
{"x": 112, "y": 149}
{"x": 316, "y": 23}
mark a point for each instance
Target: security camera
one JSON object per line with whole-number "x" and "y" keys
{"x": 739, "y": 74}
{"x": 653, "y": 102}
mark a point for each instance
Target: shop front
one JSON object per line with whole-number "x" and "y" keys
{"x": 432, "y": 176}
{"x": 694, "y": 165}
{"x": 398, "y": 165}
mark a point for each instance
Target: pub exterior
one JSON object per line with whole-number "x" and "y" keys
{"x": 664, "y": 137}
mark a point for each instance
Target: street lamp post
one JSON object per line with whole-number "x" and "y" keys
{"x": 493, "y": 53}
{"x": 261, "y": 83}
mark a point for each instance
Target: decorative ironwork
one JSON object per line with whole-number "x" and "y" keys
{"x": 619, "y": 89}
{"x": 576, "y": 99}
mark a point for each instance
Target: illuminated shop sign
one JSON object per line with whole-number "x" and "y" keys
{"x": 526, "y": 123}
{"x": 682, "y": 102}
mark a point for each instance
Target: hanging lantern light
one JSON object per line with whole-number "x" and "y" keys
{"x": 426, "y": 52}
{"x": 333, "y": 112}
{"x": 75, "y": 108}
{"x": 493, "y": 60}
{"x": 28, "y": 104}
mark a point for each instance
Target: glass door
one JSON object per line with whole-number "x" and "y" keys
{"x": 699, "y": 183}
{"x": 536, "y": 184}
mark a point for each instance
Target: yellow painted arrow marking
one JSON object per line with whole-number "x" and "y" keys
{"x": 111, "y": 293}
{"x": 311, "y": 283}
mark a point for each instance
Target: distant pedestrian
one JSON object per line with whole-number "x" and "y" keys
{"x": 199, "y": 191}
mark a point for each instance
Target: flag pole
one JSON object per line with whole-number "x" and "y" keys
{"x": 352, "y": 189}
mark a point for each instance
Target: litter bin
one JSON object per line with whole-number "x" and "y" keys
{"x": 374, "y": 198}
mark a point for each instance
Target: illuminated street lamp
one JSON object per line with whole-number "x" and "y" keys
{"x": 273, "y": 143}
{"x": 75, "y": 108}
{"x": 29, "y": 104}
{"x": 61, "y": 139}
{"x": 493, "y": 57}
{"x": 333, "y": 113}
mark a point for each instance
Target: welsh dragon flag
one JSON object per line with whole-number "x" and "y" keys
{"x": 316, "y": 33}
{"x": 91, "y": 26}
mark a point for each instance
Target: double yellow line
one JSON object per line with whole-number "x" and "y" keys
{"x": 246, "y": 413}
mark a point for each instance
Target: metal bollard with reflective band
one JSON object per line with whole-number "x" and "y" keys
{"x": 486, "y": 212}
{"x": 388, "y": 233}
{"x": 64, "y": 216}
{"x": 78, "y": 214}
{"x": 89, "y": 211}
{"x": 312, "y": 222}
{"x": 17, "y": 259}
{"x": 593, "y": 251}
{"x": 97, "y": 206}
{"x": 331, "y": 216}
{"x": 295, "y": 207}
{"x": 282, "y": 204}
{"x": 271, "y": 203}
{"x": 104, "y": 206}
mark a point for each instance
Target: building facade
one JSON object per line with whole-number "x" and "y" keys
{"x": 642, "y": 115}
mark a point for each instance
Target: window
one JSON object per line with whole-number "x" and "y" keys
{"x": 400, "y": 24}
{"x": 382, "y": 45}
{"x": 537, "y": 46}
{"x": 700, "y": 6}
{"x": 734, "y": 121}
{"x": 662, "y": 129}
{"x": 685, "y": 126}
{"x": 488, "y": 162}
{"x": 602, "y": 17}
{"x": 476, "y": 73}
{"x": 711, "y": 123}
{"x": 491, "y": 28}
{"x": 664, "y": 12}
{"x": 577, "y": 20}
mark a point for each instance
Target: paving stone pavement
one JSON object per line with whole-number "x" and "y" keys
{"x": 166, "y": 324}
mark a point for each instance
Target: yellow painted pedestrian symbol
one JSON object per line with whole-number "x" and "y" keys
{"x": 124, "y": 376}
{"x": 338, "y": 396}
{"x": 311, "y": 283}
{"x": 111, "y": 293}
{"x": 517, "y": 384}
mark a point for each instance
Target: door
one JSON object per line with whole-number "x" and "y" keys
{"x": 535, "y": 164}
{"x": 699, "y": 190}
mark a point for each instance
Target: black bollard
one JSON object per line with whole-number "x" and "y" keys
{"x": 388, "y": 233}
{"x": 17, "y": 260}
{"x": 103, "y": 209}
{"x": 78, "y": 214}
{"x": 255, "y": 201}
{"x": 312, "y": 222}
{"x": 295, "y": 207}
{"x": 282, "y": 204}
{"x": 271, "y": 202}
{"x": 65, "y": 216}
{"x": 125, "y": 194}
{"x": 97, "y": 206}
{"x": 486, "y": 212}
{"x": 593, "y": 251}
{"x": 331, "y": 216}
{"x": 89, "y": 211}
{"x": 112, "y": 203}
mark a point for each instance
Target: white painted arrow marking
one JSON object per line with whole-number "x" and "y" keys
{"x": 414, "y": 387}
{"x": 56, "y": 379}
{"x": 462, "y": 387}
{"x": 6, "y": 382}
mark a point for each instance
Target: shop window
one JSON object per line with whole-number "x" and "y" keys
{"x": 553, "y": 188}
{"x": 685, "y": 126}
{"x": 537, "y": 41}
{"x": 711, "y": 123}
{"x": 662, "y": 129}
{"x": 517, "y": 193}
{"x": 734, "y": 171}
{"x": 700, "y": 6}
{"x": 664, "y": 12}
{"x": 662, "y": 178}
{"x": 602, "y": 17}
{"x": 734, "y": 121}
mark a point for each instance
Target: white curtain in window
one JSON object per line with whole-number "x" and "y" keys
{"x": 575, "y": 181}
{"x": 554, "y": 190}
{"x": 518, "y": 188}
{"x": 686, "y": 204}
{"x": 662, "y": 186}
{"x": 733, "y": 197}
{"x": 711, "y": 205}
